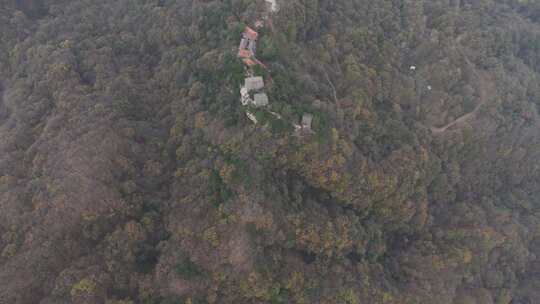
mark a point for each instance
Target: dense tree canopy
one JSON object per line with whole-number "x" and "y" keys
{"x": 129, "y": 172}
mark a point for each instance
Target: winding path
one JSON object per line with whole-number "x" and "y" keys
{"x": 3, "y": 110}
{"x": 484, "y": 88}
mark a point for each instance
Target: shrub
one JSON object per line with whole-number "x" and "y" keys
{"x": 84, "y": 286}
{"x": 187, "y": 270}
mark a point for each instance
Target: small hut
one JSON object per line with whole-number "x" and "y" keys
{"x": 244, "y": 53}
{"x": 250, "y": 34}
{"x": 249, "y": 62}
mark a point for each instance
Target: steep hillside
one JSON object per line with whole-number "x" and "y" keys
{"x": 130, "y": 173}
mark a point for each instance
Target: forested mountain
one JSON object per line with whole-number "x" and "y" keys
{"x": 129, "y": 172}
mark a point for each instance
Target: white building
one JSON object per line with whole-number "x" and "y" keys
{"x": 254, "y": 83}
{"x": 272, "y": 5}
{"x": 307, "y": 119}
{"x": 260, "y": 100}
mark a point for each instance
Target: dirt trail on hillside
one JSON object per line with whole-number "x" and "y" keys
{"x": 3, "y": 98}
{"x": 485, "y": 87}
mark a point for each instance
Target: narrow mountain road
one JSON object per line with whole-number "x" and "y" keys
{"x": 3, "y": 108}
{"x": 485, "y": 87}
